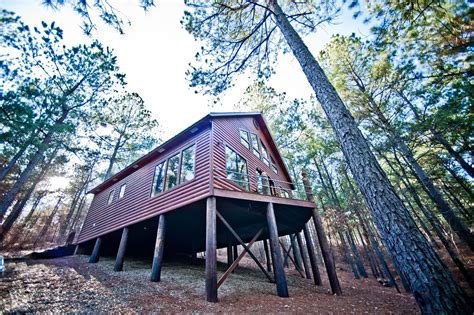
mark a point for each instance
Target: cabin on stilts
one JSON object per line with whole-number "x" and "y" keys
{"x": 219, "y": 183}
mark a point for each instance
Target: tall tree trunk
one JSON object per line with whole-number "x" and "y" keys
{"x": 82, "y": 190}
{"x": 33, "y": 163}
{"x": 39, "y": 196}
{"x": 444, "y": 208}
{"x": 435, "y": 224}
{"x": 7, "y": 168}
{"x": 461, "y": 181}
{"x": 432, "y": 285}
{"x": 438, "y": 137}
{"x": 335, "y": 198}
{"x": 47, "y": 223}
{"x": 18, "y": 208}
{"x": 113, "y": 157}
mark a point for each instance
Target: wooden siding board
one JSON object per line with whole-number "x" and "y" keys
{"x": 226, "y": 132}
{"x": 137, "y": 204}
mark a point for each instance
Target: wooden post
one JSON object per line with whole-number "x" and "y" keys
{"x": 211, "y": 243}
{"x": 296, "y": 253}
{"x": 323, "y": 242}
{"x": 280, "y": 278}
{"x": 76, "y": 250}
{"x": 96, "y": 251}
{"x": 121, "y": 251}
{"x": 230, "y": 258}
{"x": 303, "y": 256}
{"x": 159, "y": 249}
{"x": 312, "y": 255}
{"x": 267, "y": 255}
{"x": 235, "y": 250}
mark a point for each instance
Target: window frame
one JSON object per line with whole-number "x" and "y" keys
{"x": 110, "y": 198}
{"x": 165, "y": 167}
{"x": 255, "y": 151}
{"x": 153, "y": 194}
{"x": 263, "y": 149}
{"x": 122, "y": 190}
{"x": 181, "y": 164}
{"x": 273, "y": 165}
{"x": 247, "y": 141}
{"x": 240, "y": 183}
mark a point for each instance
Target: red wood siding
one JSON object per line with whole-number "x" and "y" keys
{"x": 226, "y": 132}
{"x": 137, "y": 203}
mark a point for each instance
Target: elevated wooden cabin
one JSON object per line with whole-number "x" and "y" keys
{"x": 219, "y": 183}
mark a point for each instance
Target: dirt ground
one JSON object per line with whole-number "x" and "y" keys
{"x": 70, "y": 284}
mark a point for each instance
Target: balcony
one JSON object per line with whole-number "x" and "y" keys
{"x": 258, "y": 185}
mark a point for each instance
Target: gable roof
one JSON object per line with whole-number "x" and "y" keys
{"x": 199, "y": 125}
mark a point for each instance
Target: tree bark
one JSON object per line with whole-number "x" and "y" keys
{"x": 432, "y": 285}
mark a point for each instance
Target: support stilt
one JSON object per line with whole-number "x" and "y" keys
{"x": 159, "y": 249}
{"x": 121, "y": 251}
{"x": 267, "y": 255}
{"x": 280, "y": 278}
{"x": 323, "y": 242}
{"x": 96, "y": 251}
{"x": 304, "y": 257}
{"x": 230, "y": 258}
{"x": 312, "y": 256}
{"x": 235, "y": 249}
{"x": 211, "y": 243}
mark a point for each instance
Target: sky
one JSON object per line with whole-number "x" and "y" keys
{"x": 155, "y": 53}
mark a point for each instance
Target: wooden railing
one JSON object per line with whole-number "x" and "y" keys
{"x": 265, "y": 184}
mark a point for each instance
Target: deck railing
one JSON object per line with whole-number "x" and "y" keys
{"x": 265, "y": 184}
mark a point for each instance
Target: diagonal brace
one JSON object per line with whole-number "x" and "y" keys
{"x": 291, "y": 258}
{"x": 237, "y": 260}
{"x": 244, "y": 246}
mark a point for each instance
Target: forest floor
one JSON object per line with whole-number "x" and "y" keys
{"x": 70, "y": 284}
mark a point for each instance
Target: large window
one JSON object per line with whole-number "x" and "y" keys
{"x": 178, "y": 169}
{"x": 158, "y": 179}
{"x": 110, "y": 198}
{"x": 274, "y": 167}
{"x": 172, "y": 170}
{"x": 236, "y": 167}
{"x": 244, "y": 138}
{"x": 187, "y": 164}
{"x": 259, "y": 179}
{"x": 255, "y": 148}
{"x": 264, "y": 154}
{"x": 122, "y": 191}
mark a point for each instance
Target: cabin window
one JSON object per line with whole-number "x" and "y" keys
{"x": 122, "y": 191}
{"x": 264, "y": 154}
{"x": 158, "y": 179}
{"x": 111, "y": 197}
{"x": 236, "y": 167}
{"x": 274, "y": 167}
{"x": 172, "y": 170}
{"x": 244, "y": 138}
{"x": 255, "y": 148}
{"x": 187, "y": 164}
{"x": 259, "y": 179}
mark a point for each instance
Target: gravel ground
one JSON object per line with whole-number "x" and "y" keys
{"x": 70, "y": 284}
